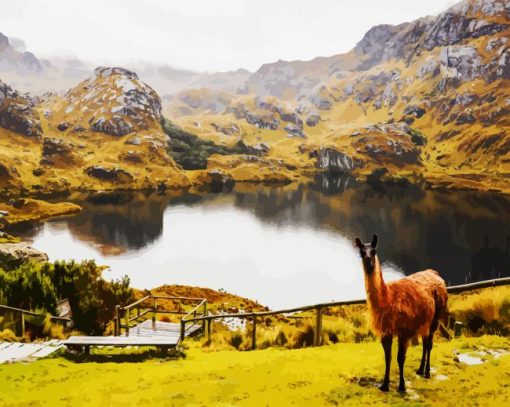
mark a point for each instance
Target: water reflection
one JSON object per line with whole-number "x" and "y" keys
{"x": 310, "y": 228}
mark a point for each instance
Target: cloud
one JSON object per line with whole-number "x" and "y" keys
{"x": 201, "y": 34}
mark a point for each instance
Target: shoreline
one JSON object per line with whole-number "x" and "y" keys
{"x": 445, "y": 182}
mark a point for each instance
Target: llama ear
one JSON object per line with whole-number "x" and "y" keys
{"x": 358, "y": 243}
{"x": 374, "y": 241}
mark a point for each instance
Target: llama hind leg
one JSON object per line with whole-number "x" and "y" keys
{"x": 421, "y": 369}
{"x": 401, "y": 358}
{"x": 386, "y": 343}
{"x": 430, "y": 338}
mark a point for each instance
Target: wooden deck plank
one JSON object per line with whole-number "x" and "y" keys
{"x": 146, "y": 333}
{"x": 121, "y": 341}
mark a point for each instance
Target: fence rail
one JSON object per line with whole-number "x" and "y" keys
{"x": 23, "y": 312}
{"x": 136, "y": 310}
{"x": 319, "y": 309}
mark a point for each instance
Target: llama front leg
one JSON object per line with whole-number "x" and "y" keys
{"x": 386, "y": 343}
{"x": 401, "y": 358}
{"x": 423, "y": 356}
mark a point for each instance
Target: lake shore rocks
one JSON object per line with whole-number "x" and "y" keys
{"x": 13, "y": 255}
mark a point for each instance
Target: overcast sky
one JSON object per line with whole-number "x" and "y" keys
{"x": 203, "y": 35}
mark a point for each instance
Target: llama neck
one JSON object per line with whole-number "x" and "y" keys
{"x": 376, "y": 288}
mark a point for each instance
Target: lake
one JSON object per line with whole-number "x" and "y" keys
{"x": 284, "y": 245}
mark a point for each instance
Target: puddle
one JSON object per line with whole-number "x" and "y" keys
{"x": 478, "y": 357}
{"x": 469, "y": 359}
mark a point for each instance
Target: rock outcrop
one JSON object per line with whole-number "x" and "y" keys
{"x": 17, "y": 112}
{"x": 13, "y": 255}
{"x": 333, "y": 161}
{"x": 115, "y": 102}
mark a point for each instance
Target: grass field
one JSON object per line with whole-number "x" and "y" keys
{"x": 341, "y": 374}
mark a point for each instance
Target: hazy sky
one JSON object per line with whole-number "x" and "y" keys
{"x": 201, "y": 34}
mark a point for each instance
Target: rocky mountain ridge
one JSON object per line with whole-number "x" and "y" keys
{"x": 426, "y": 101}
{"x": 445, "y": 77}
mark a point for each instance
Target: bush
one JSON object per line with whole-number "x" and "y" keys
{"x": 39, "y": 287}
{"x": 191, "y": 152}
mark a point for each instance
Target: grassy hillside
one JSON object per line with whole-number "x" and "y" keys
{"x": 342, "y": 374}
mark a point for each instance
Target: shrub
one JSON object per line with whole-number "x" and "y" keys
{"x": 236, "y": 339}
{"x": 35, "y": 286}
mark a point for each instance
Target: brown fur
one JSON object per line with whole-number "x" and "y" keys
{"x": 406, "y": 307}
{"x": 411, "y": 306}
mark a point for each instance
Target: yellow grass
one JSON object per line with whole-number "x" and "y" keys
{"x": 342, "y": 374}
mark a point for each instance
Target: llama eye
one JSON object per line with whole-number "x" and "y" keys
{"x": 373, "y": 252}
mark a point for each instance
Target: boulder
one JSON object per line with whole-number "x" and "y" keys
{"x": 109, "y": 174}
{"x": 228, "y": 130}
{"x": 262, "y": 122}
{"x": 219, "y": 179}
{"x": 58, "y": 152}
{"x": 294, "y": 130}
{"x": 135, "y": 141}
{"x": 131, "y": 157}
{"x": 331, "y": 160}
{"x": 291, "y": 117}
{"x": 63, "y": 126}
{"x": 116, "y": 126}
{"x": 414, "y": 111}
{"x": 312, "y": 119}
{"x": 13, "y": 255}
{"x": 466, "y": 117}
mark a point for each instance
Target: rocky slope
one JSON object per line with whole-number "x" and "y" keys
{"x": 425, "y": 100}
{"x": 105, "y": 133}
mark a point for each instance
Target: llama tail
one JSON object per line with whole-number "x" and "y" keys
{"x": 441, "y": 304}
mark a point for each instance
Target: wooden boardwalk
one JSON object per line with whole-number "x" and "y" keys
{"x": 17, "y": 351}
{"x": 147, "y": 333}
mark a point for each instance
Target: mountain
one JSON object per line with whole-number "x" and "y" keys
{"x": 425, "y": 101}
{"x": 26, "y": 72}
{"x": 105, "y": 133}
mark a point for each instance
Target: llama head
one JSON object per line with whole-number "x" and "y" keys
{"x": 368, "y": 253}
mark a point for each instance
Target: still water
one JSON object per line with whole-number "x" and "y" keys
{"x": 284, "y": 245}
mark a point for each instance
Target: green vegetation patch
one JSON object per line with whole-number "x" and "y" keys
{"x": 191, "y": 152}
{"x": 39, "y": 287}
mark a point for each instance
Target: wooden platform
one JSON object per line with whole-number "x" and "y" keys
{"x": 146, "y": 333}
{"x": 16, "y": 351}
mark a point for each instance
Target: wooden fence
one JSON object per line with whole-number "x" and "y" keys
{"x": 318, "y": 308}
{"x": 22, "y": 314}
{"x": 137, "y": 310}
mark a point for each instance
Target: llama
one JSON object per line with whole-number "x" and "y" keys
{"x": 411, "y": 306}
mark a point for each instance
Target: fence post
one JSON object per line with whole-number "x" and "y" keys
{"x": 126, "y": 316}
{"x": 318, "y": 327}
{"x": 116, "y": 329}
{"x": 209, "y": 323}
{"x": 154, "y": 308}
{"x": 205, "y": 314}
{"x": 22, "y": 324}
{"x": 254, "y": 334}
{"x": 457, "y": 328}
{"x": 183, "y": 329}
